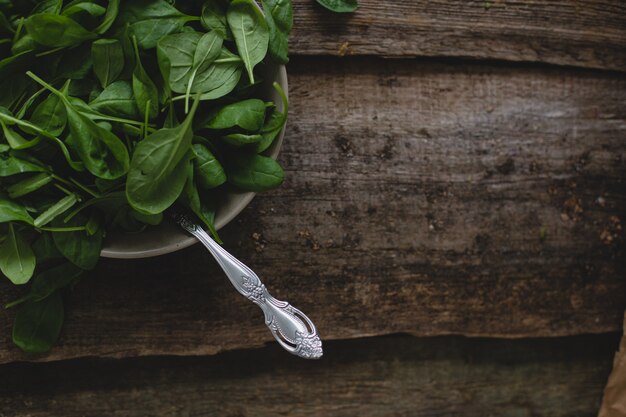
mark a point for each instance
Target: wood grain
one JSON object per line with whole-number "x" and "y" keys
{"x": 585, "y": 33}
{"x": 393, "y": 376}
{"x": 422, "y": 198}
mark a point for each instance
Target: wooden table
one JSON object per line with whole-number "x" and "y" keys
{"x": 451, "y": 220}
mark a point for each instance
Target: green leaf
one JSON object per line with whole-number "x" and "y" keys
{"x": 78, "y": 247}
{"x": 103, "y": 153}
{"x": 56, "y": 210}
{"x": 157, "y": 170}
{"x": 90, "y": 8}
{"x": 250, "y": 31}
{"x": 240, "y": 139}
{"x": 108, "y": 60}
{"x": 76, "y": 64}
{"x": 44, "y": 249}
{"x": 17, "y": 260}
{"x": 279, "y": 18}
{"x": 109, "y": 18}
{"x": 151, "y": 20}
{"x": 254, "y": 173}
{"x": 340, "y": 6}
{"x": 274, "y": 123}
{"x": 186, "y": 58}
{"x": 12, "y": 165}
{"x": 15, "y": 140}
{"x": 29, "y": 185}
{"x": 117, "y": 100}
{"x": 56, "y": 31}
{"x": 11, "y": 211}
{"x": 47, "y": 282}
{"x": 247, "y": 114}
{"x": 50, "y": 115}
{"x": 38, "y": 324}
{"x": 271, "y": 130}
{"x": 145, "y": 90}
{"x": 191, "y": 199}
{"x": 208, "y": 171}
{"x": 214, "y": 18}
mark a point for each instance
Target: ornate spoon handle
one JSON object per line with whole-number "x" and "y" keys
{"x": 292, "y": 329}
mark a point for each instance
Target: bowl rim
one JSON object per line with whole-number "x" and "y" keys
{"x": 186, "y": 241}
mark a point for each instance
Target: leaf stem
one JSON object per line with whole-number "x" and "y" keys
{"x": 62, "y": 188}
{"x": 63, "y": 229}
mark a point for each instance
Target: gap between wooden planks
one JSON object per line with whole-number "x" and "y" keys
{"x": 421, "y": 197}
{"x": 378, "y": 377}
{"x": 584, "y": 33}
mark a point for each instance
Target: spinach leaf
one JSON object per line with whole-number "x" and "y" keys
{"x": 214, "y": 18}
{"x": 145, "y": 90}
{"x": 78, "y": 247}
{"x": 250, "y": 32}
{"x": 150, "y": 20}
{"x": 38, "y": 324}
{"x": 29, "y": 185}
{"x": 340, "y": 6}
{"x": 247, "y": 114}
{"x": 191, "y": 199}
{"x": 12, "y": 165}
{"x": 17, "y": 260}
{"x": 279, "y": 18}
{"x": 103, "y": 153}
{"x": 15, "y": 140}
{"x": 182, "y": 56}
{"x": 109, "y": 18}
{"x": 117, "y": 100}
{"x": 208, "y": 171}
{"x": 76, "y": 64}
{"x": 11, "y": 211}
{"x": 240, "y": 139}
{"x": 56, "y": 31}
{"x": 274, "y": 123}
{"x": 157, "y": 170}
{"x": 90, "y": 8}
{"x": 254, "y": 173}
{"x": 56, "y": 210}
{"x": 185, "y": 57}
{"x": 48, "y": 6}
{"x": 49, "y": 281}
{"x": 50, "y": 115}
{"x": 45, "y": 250}
{"x": 108, "y": 60}
{"x": 78, "y": 166}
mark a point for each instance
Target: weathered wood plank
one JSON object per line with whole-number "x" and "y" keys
{"x": 586, "y": 33}
{"x": 421, "y": 198}
{"x": 393, "y": 376}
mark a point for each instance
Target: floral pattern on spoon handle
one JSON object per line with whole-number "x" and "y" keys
{"x": 293, "y": 330}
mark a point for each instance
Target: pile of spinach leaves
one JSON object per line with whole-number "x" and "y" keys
{"x": 113, "y": 111}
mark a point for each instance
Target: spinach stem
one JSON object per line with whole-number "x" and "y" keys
{"x": 62, "y": 188}
{"x": 76, "y": 183}
{"x": 20, "y": 300}
{"x": 50, "y": 52}
{"x": 63, "y": 229}
{"x": 84, "y": 188}
{"x": 146, "y": 119}
{"x": 93, "y": 201}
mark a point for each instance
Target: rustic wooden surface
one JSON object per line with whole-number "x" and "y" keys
{"x": 392, "y": 376}
{"x": 475, "y": 190}
{"x": 416, "y": 203}
{"x": 583, "y": 33}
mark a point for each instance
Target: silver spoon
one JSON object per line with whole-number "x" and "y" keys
{"x": 294, "y": 331}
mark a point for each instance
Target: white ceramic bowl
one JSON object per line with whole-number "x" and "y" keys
{"x": 167, "y": 238}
